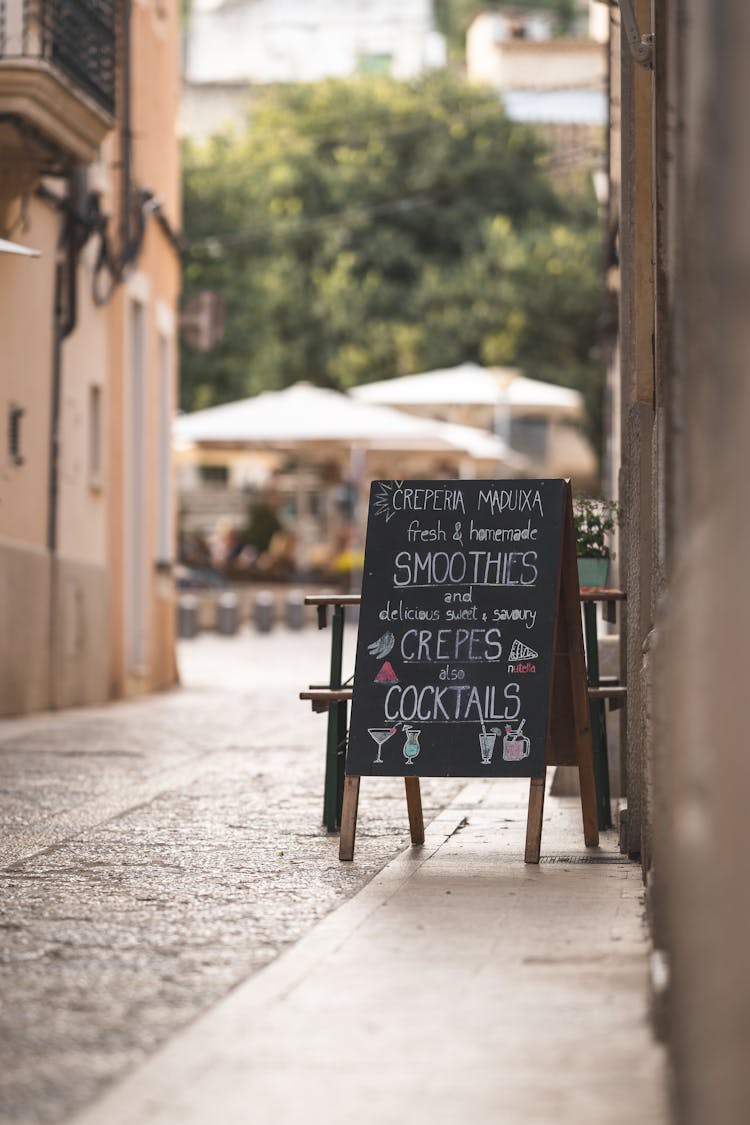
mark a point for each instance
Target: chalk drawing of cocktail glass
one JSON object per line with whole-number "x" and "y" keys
{"x": 516, "y": 746}
{"x": 411, "y": 746}
{"x": 379, "y": 735}
{"x": 487, "y": 745}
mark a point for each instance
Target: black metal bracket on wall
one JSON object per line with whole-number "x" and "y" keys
{"x": 15, "y": 414}
{"x": 641, "y": 46}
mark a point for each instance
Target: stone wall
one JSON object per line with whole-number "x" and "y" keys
{"x": 685, "y": 332}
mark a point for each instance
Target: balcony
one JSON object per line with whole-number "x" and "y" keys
{"x": 57, "y": 80}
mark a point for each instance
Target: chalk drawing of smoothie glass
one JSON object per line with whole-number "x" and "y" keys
{"x": 411, "y": 746}
{"x": 379, "y": 735}
{"x": 487, "y": 745}
{"x": 516, "y": 746}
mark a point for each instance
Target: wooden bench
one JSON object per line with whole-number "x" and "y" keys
{"x": 610, "y": 688}
{"x": 332, "y": 697}
{"x": 601, "y": 688}
{"x": 321, "y": 697}
{"x": 335, "y": 696}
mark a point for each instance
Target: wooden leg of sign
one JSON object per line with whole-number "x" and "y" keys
{"x": 349, "y": 818}
{"x": 534, "y": 823}
{"x": 588, "y": 802}
{"x": 414, "y": 806}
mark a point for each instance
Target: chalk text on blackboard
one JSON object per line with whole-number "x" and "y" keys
{"x": 434, "y": 645}
{"x": 475, "y": 568}
{"x": 416, "y": 533}
{"x": 452, "y": 703}
{"x": 402, "y": 499}
{"x": 511, "y": 500}
{"x": 501, "y": 534}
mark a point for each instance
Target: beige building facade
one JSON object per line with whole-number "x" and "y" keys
{"x": 88, "y": 100}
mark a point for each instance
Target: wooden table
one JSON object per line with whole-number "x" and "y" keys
{"x": 601, "y": 691}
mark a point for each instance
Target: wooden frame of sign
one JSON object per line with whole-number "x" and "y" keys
{"x": 481, "y": 585}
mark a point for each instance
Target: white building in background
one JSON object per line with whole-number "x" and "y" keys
{"x": 518, "y": 51}
{"x": 543, "y": 78}
{"x": 232, "y": 45}
{"x": 263, "y": 41}
{"x": 557, "y": 83}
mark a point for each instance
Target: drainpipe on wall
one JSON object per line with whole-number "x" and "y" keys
{"x": 65, "y": 317}
{"x": 126, "y": 141}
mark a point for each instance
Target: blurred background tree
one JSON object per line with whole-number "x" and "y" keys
{"x": 368, "y": 228}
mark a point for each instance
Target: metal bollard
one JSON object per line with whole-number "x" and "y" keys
{"x": 187, "y": 616}
{"x": 227, "y": 614}
{"x": 264, "y": 612}
{"x": 295, "y": 610}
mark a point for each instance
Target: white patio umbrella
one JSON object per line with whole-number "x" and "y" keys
{"x": 470, "y": 385}
{"x": 305, "y": 415}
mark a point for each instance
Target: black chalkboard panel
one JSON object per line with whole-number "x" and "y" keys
{"x": 454, "y": 652}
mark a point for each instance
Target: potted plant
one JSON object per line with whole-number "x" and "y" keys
{"x": 594, "y": 521}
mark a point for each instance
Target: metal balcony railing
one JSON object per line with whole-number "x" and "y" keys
{"x": 77, "y": 37}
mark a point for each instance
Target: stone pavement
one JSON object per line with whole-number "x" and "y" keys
{"x": 154, "y": 854}
{"x": 159, "y": 856}
{"x": 459, "y": 985}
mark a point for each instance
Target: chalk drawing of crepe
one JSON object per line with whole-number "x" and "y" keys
{"x": 386, "y": 675}
{"x": 382, "y": 646}
{"x": 520, "y": 651}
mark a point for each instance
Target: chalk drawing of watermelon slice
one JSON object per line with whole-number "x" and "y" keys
{"x": 386, "y": 675}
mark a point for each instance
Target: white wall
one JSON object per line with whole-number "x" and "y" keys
{"x": 495, "y": 57}
{"x": 265, "y": 41}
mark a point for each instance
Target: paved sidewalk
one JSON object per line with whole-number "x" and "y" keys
{"x": 155, "y": 854}
{"x": 459, "y": 985}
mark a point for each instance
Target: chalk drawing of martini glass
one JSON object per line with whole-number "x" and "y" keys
{"x": 411, "y": 746}
{"x": 379, "y": 735}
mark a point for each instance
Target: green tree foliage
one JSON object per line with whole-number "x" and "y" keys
{"x": 366, "y": 229}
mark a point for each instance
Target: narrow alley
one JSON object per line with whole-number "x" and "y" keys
{"x": 137, "y": 898}
{"x": 157, "y": 852}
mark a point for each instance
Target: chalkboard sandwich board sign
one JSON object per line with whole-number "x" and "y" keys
{"x": 469, "y": 656}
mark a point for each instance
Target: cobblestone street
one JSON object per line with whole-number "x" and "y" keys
{"x": 157, "y": 853}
